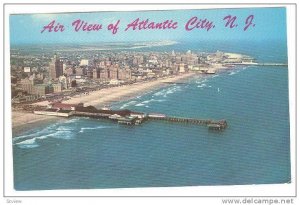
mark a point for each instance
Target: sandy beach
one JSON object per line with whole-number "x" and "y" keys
{"x": 106, "y": 96}
{"x": 97, "y": 98}
{"x": 22, "y": 121}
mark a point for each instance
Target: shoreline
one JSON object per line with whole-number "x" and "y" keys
{"x": 22, "y": 121}
{"x": 107, "y": 96}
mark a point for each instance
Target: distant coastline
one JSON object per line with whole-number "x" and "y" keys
{"x": 97, "y": 46}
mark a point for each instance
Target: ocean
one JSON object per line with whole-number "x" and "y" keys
{"x": 83, "y": 153}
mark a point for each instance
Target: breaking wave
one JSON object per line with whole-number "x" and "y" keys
{"x": 59, "y": 130}
{"x": 93, "y": 128}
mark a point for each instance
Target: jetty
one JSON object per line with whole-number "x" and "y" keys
{"x": 126, "y": 117}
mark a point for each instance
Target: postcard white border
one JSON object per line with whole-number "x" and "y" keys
{"x": 244, "y": 190}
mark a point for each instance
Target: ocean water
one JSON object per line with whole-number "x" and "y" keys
{"x": 82, "y": 153}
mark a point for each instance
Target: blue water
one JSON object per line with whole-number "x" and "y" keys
{"x": 82, "y": 153}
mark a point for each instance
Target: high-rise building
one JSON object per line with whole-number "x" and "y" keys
{"x": 104, "y": 74}
{"x": 124, "y": 74}
{"x": 114, "y": 73}
{"x": 43, "y": 89}
{"x": 55, "y": 68}
{"x": 27, "y": 85}
{"x": 96, "y": 73}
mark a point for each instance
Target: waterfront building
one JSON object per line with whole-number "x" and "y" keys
{"x": 104, "y": 74}
{"x": 114, "y": 72}
{"x": 182, "y": 68}
{"x": 64, "y": 106}
{"x": 124, "y": 74}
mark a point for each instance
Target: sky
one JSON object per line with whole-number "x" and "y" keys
{"x": 270, "y": 24}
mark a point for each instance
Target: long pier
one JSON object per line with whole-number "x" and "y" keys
{"x": 211, "y": 124}
{"x": 258, "y": 64}
{"x": 128, "y": 117}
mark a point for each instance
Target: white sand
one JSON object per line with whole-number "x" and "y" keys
{"x": 106, "y": 96}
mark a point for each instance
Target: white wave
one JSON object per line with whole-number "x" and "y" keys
{"x": 92, "y": 128}
{"x": 42, "y": 137}
{"x": 28, "y": 146}
{"x": 139, "y": 105}
{"x": 201, "y": 81}
{"x": 23, "y": 136}
{"x": 159, "y": 100}
{"x": 57, "y": 130}
{"x": 167, "y": 91}
{"x": 61, "y": 135}
{"x": 146, "y": 101}
{"x": 202, "y": 85}
{"x": 159, "y": 93}
{"x": 234, "y": 72}
{"x": 170, "y": 92}
{"x": 32, "y": 142}
{"x": 62, "y": 128}
{"x": 123, "y": 106}
{"x": 72, "y": 120}
{"x": 35, "y": 134}
{"x": 29, "y": 143}
{"x": 214, "y": 76}
{"x": 128, "y": 104}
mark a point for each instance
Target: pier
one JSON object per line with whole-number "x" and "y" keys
{"x": 126, "y": 117}
{"x": 257, "y": 64}
{"x": 211, "y": 124}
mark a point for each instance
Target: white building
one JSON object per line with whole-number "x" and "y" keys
{"x": 84, "y": 62}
